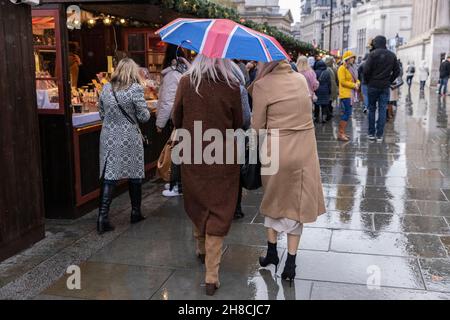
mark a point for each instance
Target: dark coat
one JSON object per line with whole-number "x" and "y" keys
{"x": 381, "y": 68}
{"x": 323, "y": 93}
{"x": 210, "y": 191}
{"x": 444, "y": 70}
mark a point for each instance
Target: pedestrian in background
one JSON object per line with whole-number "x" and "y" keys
{"x": 348, "y": 90}
{"x": 410, "y": 72}
{"x": 305, "y": 69}
{"x": 323, "y": 93}
{"x": 444, "y": 75}
{"x": 293, "y": 196}
{"x": 330, "y": 62}
{"x": 424, "y": 73}
{"x": 311, "y": 61}
{"x": 252, "y": 70}
{"x": 210, "y": 92}
{"x": 174, "y": 66}
{"x": 122, "y": 106}
{"x": 246, "y": 116}
{"x": 394, "y": 95}
{"x": 364, "y": 88}
{"x": 380, "y": 71}
{"x": 243, "y": 67}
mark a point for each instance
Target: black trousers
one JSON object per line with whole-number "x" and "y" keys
{"x": 175, "y": 177}
{"x": 325, "y": 111}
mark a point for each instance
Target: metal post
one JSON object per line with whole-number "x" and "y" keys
{"x": 343, "y": 28}
{"x": 331, "y": 24}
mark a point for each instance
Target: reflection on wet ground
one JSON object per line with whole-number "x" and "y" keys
{"x": 386, "y": 234}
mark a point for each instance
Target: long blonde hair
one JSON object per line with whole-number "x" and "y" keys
{"x": 126, "y": 73}
{"x": 215, "y": 69}
{"x": 303, "y": 64}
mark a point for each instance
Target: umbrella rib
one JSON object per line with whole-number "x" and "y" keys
{"x": 269, "y": 38}
{"x": 205, "y": 36}
{"x": 178, "y": 26}
{"x": 230, "y": 37}
{"x": 265, "y": 49}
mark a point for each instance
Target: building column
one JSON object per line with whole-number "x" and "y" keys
{"x": 443, "y": 14}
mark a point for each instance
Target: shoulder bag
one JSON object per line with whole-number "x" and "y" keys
{"x": 145, "y": 140}
{"x": 251, "y": 172}
{"x": 165, "y": 159}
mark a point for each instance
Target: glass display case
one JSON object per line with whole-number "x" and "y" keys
{"x": 47, "y": 57}
{"x": 146, "y": 49}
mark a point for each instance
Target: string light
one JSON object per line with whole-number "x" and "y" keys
{"x": 107, "y": 21}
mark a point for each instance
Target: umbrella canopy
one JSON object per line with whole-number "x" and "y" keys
{"x": 222, "y": 38}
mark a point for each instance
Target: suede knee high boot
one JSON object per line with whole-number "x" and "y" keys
{"x": 213, "y": 257}
{"x": 200, "y": 250}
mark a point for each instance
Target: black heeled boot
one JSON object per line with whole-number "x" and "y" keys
{"x": 103, "y": 223}
{"x": 271, "y": 257}
{"x": 289, "y": 269}
{"x": 135, "y": 191}
{"x": 238, "y": 214}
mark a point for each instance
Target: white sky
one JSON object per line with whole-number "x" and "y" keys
{"x": 294, "y": 5}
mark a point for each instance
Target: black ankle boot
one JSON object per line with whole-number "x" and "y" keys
{"x": 289, "y": 269}
{"x": 135, "y": 191}
{"x": 103, "y": 224}
{"x": 271, "y": 257}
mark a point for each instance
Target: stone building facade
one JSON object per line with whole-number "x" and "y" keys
{"x": 430, "y": 35}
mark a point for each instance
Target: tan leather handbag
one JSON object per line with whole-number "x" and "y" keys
{"x": 165, "y": 159}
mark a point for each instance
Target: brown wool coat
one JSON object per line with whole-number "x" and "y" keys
{"x": 281, "y": 101}
{"x": 210, "y": 191}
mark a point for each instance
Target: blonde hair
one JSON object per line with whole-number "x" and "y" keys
{"x": 303, "y": 64}
{"x": 126, "y": 74}
{"x": 217, "y": 70}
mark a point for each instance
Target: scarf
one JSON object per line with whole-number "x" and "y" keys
{"x": 354, "y": 71}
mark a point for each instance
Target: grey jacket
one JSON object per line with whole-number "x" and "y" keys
{"x": 246, "y": 112}
{"x": 121, "y": 147}
{"x": 167, "y": 93}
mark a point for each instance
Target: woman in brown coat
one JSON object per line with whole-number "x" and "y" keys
{"x": 293, "y": 196}
{"x": 210, "y": 93}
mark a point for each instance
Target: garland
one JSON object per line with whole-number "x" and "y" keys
{"x": 210, "y": 10}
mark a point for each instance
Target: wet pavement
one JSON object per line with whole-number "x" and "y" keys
{"x": 388, "y": 223}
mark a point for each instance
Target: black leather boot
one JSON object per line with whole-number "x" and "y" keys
{"x": 238, "y": 214}
{"x": 289, "y": 269}
{"x": 135, "y": 190}
{"x": 271, "y": 257}
{"x": 103, "y": 224}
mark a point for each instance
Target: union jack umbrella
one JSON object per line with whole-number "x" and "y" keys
{"x": 222, "y": 38}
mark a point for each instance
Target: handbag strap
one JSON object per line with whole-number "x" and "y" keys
{"x": 125, "y": 114}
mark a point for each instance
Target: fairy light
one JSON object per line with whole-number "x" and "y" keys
{"x": 122, "y": 21}
{"x": 91, "y": 22}
{"x": 107, "y": 21}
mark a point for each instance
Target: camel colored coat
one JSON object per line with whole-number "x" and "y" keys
{"x": 281, "y": 101}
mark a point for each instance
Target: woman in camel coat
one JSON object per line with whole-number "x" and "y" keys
{"x": 294, "y": 195}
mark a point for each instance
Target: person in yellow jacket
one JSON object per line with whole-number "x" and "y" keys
{"x": 348, "y": 91}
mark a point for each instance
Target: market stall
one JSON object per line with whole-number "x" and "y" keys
{"x": 75, "y": 52}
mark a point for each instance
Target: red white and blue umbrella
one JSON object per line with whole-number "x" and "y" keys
{"x": 222, "y": 38}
